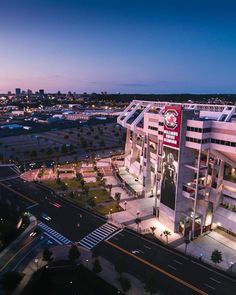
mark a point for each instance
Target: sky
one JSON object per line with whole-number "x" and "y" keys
{"x": 126, "y": 46}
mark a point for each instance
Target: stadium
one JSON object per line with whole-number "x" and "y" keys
{"x": 184, "y": 157}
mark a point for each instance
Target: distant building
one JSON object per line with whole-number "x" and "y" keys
{"x": 18, "y": 91}
{"x": 41, "y": 92}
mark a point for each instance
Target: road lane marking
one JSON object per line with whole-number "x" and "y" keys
{"x": 196, "y": 289}
{"x": 170, "y": 266}
{"x": 209, "y": 286}
{"x": 20, "y": 194}
{"x": 176, "y": 261}
{"x": 215, "y": 280}
{"x": 145, "y": 246}
{"x": 21, "y": 249}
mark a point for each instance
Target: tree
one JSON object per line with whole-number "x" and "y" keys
{"x": 120, "y": 266}
{"x": 137, "y": 221}
{"x": 166, "y": 233}
{"x": 47, "y": 255}
{"x": 74, "y": 253}
{"x": 82, "y": 182}
{"x": 150, "y": 285}
{"x": 95, "y": 253}
{"x": 153, "y": 228}
{"x": 186, "y": 241}
{"x": 92, "y": 202}
{"x": 109, "y": 186}
{"x": 125, "y": 284}
{"x": 86, "y": 191}
{"x": 117, "y": 198}
{"x": 97, "y": 266}
{"x": 216, "y": 256}
{"x": 10, "y": 280}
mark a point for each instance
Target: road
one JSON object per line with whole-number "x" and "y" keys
{"x": 175, "y": 273}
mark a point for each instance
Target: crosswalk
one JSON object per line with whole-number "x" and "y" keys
{"x": 103, "y": 232}
{"x": 60, "y": 239}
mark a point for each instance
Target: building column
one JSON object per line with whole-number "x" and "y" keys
{"x": 196, "y": 194}
{"x": 127, "y": 148}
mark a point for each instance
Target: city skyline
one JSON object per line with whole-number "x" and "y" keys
{"x": 127, "y": 47}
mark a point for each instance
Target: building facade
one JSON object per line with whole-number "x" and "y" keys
{"x": 184, "y": 156}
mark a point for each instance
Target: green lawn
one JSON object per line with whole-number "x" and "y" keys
{"x": 72, "y": 184}
{"x": 105, "y": 209}
{"x": 101, "y": 195}
{"x": 51, "y": 184}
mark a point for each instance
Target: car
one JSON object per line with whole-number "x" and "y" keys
{"x": 135, "y": 252}
{"x": 36, "y": 232}
{"x": 46, "y": 217}
{"x": 57, "y": 205}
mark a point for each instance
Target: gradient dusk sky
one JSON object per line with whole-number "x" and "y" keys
{"x": 127, "y": 46}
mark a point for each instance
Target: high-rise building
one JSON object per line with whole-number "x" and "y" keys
{"x": 184, "y": 156}
{"x": 18, "y": 91}
{"x": 41, "y": 92}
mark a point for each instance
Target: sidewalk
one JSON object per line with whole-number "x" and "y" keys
{"x": 216, "y": 239}
{"x": 28, "y": 272}
{"x": 108, "y": 272}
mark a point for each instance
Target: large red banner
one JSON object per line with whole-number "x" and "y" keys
{"x": 172, "y": 122}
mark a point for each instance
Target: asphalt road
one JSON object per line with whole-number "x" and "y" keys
{"x": 175, "y": 273}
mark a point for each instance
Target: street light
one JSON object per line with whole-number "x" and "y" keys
{"x": 111, "y": 212}
{"x": 125, "y": 203}
{"x": 231, "y": 266}
{"x": 36, "y": 262}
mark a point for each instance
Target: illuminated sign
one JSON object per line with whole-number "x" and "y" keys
{"x": 172, "y": 122}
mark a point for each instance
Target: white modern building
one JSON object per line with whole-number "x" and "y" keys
{"x": 184, "y": 156}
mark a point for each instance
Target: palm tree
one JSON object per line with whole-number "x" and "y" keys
{"x": 166, "y": 233}
{"x": 153, "y": 228}
{"x": 117, "y": 198}
{"x": 109, "y": 186}
{"x": 137, "y": 221}
{"x": 86, "y": 191}
{"x": 186, "y": 241}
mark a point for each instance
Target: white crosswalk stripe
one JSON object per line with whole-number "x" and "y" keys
{"x": 98, "y": 235}
{"x": 54, "y": 234}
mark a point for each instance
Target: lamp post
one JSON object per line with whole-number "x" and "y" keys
{"x": 231, "y": 266}
{"x": 111, "y": 213}
{"x": 125, "y": 203}
{"x": 36, "y": 262}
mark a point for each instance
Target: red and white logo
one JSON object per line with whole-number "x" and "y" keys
{"x": 170, "y": 119}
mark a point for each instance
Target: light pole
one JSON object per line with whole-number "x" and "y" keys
{"x": 125, "y": 203}
{"x": 231, "y": 266}
{"x": 111, "y": 213}
{"x": 36, "y": 262}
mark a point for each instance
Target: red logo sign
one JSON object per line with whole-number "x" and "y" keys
{"x": 172, "y": 121}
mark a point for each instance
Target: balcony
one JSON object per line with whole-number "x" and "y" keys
{"x": 188, "y": 192}
{"x": 190, "y": 188}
